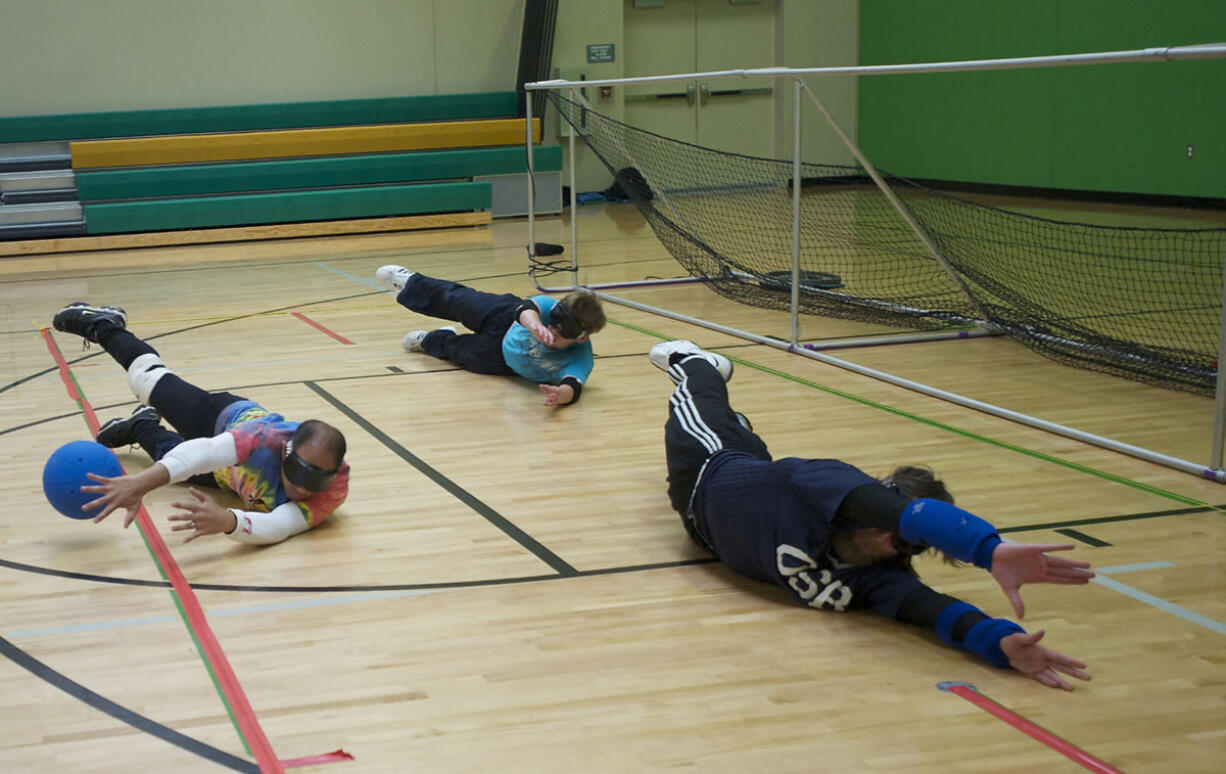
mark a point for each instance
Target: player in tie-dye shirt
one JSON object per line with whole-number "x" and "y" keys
{"x": 289, "y": 475}
{"x": 542, "y": 339}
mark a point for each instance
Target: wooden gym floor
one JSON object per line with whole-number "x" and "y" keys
{"x": 507, "y": 589}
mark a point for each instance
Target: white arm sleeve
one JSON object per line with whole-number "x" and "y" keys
{"x": 200, "y": 455}
{"x": 256, "y": 528}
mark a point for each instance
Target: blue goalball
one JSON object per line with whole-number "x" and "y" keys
{"x": 64, "y": 475}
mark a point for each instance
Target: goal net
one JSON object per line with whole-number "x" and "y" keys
{"x": 1136, "y": 301}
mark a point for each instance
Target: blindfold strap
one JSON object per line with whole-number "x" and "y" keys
{"x": 565, "y": 321}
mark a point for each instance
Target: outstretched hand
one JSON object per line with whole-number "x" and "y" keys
{"x": 557, "y": 395}
{"x": 1030, "y": 658}
{"x": 1015, "y": 564}
{"x": 125, "y": 491}
{"x": 204, "y": 517}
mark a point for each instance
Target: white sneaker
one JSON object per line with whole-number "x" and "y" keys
{"x": 413, "y": 339}
{"x": 393, "y": 277}
{"x": 662, "y": 353}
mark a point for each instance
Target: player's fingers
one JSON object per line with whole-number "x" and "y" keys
{"x": 96, "y": 477}
{"x": 105, "y": 511}
{"x": 1069, "y": 580}
{"x": 93, "y": 504}
{"x": 127, "y": 522}
{"x": 1016, "y": 599}
{"x": 1056, "y": 657}
{"x": 1061, "y": 562}
{"x": 192, "y": 537}
{"x": 1045, "y": 547}
{"x": 1068, "y": 670}
{"x": 1056, "y": 681}
{"x": 181, "y": 527}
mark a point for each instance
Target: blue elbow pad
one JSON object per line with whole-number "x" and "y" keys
{"x": 961, "y": 534}
{"x": 982, "y": 639}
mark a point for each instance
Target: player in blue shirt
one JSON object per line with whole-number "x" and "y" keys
{"x": 837, "y": 538}
{"x": 544, "y": 340}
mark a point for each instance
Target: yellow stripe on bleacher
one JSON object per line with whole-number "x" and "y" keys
{"x": 335, "y": 141}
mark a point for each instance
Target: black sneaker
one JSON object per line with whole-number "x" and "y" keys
{"x": 121, "y": 431}
{"x": 83, "y": 320}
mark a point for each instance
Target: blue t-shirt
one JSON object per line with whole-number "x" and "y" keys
{"x": 528, "y": 357}
{"x": 772, "y": 521}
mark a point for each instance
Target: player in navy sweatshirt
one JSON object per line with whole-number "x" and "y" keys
{"x": 836, "y": 537}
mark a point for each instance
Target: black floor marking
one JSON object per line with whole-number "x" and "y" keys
{"x": 348, "y": 589}
{"x": 495, "y": 518}
{"x": 1109, "y": 519}
{"x": 121, "y": 713}
{"x": 1082, "y": 537}
{"x": 395, "y": 369}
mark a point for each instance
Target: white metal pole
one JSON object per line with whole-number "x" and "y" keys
{"x": 531, "y": 176}
{"x": 1158, "y": 54}
{"x": 795, "y": 211}
{"x": 574, "y": 204}
{"x": 1214, "y": 474}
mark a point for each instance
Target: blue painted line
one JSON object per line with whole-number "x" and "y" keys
{"x": 1161, "y": 604}
{"x": 1133, "y": 567}
{"x": 370, "y": 283}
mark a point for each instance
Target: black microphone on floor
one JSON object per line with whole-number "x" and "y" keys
{"x": 547, "y": 248}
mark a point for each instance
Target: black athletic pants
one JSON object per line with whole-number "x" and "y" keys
{"x": 190, "y": 410}
{"x": 488, "y": 315}
{"x": 700, "y": 423}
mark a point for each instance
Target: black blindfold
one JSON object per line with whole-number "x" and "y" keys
{"x": 303, "y": 474}
{"x": 565, "y": 321}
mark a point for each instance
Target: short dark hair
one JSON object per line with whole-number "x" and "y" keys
{"x": 324, "y": 434}
{"x": 916, "y": 481}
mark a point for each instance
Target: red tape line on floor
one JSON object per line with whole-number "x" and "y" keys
{"x": 316, "y": 325}
{"x": 1075, "y": 754}
{"x": 227, "y": 682}
{"x": 336, "y": 756}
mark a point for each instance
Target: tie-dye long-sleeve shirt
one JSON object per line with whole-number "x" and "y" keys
{"x": 260, "y": 437}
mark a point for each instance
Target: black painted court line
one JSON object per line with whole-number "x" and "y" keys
{"x": 30, "y": 568}
{"x": 86, "y": 576}
{"x": 69, "y": 574}
{"x": 495, "y": 518}
{"x": 1109, "y": 519}
{"x": 121, "y": 713}
{"x": 1082, "y": 537}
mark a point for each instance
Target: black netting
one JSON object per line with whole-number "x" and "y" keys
{"x": 1137, "y": 302}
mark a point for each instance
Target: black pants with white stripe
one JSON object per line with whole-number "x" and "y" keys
{"x": 700, "y": 423}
